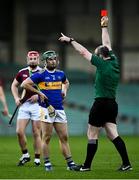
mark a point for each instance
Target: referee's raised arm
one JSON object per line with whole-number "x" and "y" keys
{"x": 78, "y": 47}
{"x": 105, "y": 34}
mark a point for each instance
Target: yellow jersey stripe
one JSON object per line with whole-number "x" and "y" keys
{"x": 50, "y": 85}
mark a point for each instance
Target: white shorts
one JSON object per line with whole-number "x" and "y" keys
{"x": 59, "y": 117}
{"x": 30, "y": 111}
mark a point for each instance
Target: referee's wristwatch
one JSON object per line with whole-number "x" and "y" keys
{"x": 71, "y": 39}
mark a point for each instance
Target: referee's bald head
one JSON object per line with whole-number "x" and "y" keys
{"x": 102, "y": 51}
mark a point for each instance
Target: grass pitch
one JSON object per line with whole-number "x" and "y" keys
{"x": 104, "y": 165}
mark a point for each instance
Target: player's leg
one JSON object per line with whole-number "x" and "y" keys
{"x": 62, "y": 132}
{"x": 111, "y": 130}
{"x": 22, "y": 122}
{"x": 34, "y": 110}
{"x": 20, "y": 130}
{"x": 36, "y": 130}
{"x": 47, "y": 129}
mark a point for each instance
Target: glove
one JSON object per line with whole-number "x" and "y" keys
{"x": 104, "y": 21}
{"x": 51, "y": 111}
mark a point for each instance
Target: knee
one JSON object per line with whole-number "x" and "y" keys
{"x": 64, "y": 139}
{"x": 46, "y": 138}
{"x": 111, "y": 131}
{"x": 36, "y": 133}
{"x": 111, "y": 136}
{"x": 92, "y": 135}
{"x": 20, "y": 132}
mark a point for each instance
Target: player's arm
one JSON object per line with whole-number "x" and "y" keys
{"x": 105, "y": 34}
{"x": 78, "y": 47}
{"x": 28, "y": 85}
{"x": 65, "y": 86}
{"x": 3, "y": 101}
{"x": 14, "y": 89}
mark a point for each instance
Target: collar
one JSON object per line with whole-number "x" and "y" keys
{"x": 33, "y": 70}
{"x": 51, "y": 71}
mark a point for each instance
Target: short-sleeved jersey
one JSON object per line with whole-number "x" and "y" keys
{"x": 107, "y": 76}
{"x": 24, "y": 74}
{"x": 50, "y": 83}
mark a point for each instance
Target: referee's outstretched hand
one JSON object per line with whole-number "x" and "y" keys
{"x": 64, "y": 38}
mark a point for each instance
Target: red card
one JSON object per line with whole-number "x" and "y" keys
{"x": 104, "y": 12}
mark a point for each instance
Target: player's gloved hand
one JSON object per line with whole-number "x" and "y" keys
{"x": 104, "y": 21}
{"x": 51, "y": 111}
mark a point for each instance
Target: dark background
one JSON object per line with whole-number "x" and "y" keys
{"x": 36, "y": 25}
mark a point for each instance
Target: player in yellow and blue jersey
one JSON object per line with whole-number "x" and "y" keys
{"x": 53, "y": 86}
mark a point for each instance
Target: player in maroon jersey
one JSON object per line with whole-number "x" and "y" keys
{"x": 28, "y": 111}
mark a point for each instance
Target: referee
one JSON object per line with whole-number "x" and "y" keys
{"x": 105, "y": 109}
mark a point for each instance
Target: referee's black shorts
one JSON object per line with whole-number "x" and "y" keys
{"x": 103, "y": 110}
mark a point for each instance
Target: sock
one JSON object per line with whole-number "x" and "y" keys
{"x": 121, "y": 148}
{"x": 69, "y": 161}
{"x": 46, "y": 160}
{"x": 25, "y": 153}
{"x": 91, "y": 150}
{"x": 37, "y": 156}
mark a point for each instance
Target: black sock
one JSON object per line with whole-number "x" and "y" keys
{"x": 46, "y": 160}
{"x": 121, "y": 148}
{"x": 25, "y": 151}
{"x": 91, "y": 150}
{"x": 37, "y": 156}
{"x": 69, "y": 160}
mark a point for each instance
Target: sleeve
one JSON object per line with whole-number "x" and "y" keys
{"x": 36, "y": 78}
{"x": 64, "y": 78}
{"x": 18, "y": 77}
{"x": 96, "y": 61}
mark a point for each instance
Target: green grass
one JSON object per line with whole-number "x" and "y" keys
{"x": 104, "y": 166}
